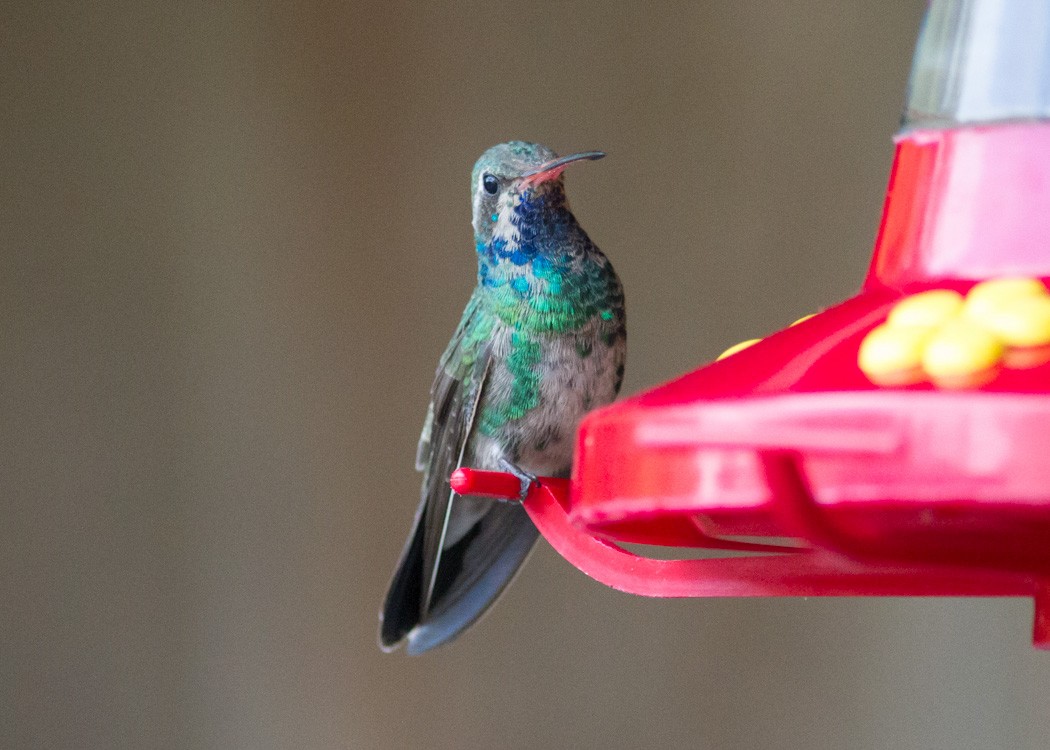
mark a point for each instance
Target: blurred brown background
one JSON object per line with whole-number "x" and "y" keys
{"x": 235, "y": 241}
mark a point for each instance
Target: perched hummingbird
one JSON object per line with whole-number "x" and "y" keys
{"x": 541, "y": 342}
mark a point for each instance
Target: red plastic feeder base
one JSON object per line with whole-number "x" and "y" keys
{"x": 831, "y": 484}
{"x": 852, "y": 563}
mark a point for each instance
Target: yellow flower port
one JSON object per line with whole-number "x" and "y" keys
{"x": 955, "y": 341}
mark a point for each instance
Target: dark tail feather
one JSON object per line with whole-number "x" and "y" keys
{"x": 482, "y": 564}
{"x": 472, "y": 575}
{"x": 403, "y": 599}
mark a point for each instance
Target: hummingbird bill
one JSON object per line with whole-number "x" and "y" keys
{"x": 542, "y": 341}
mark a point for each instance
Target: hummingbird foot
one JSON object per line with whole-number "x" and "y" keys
{"x": 526, "y": 479}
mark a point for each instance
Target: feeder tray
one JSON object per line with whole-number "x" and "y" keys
{"x": 893, "y": 445}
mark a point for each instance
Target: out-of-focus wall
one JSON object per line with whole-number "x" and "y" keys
{"x": 233, "y": 243}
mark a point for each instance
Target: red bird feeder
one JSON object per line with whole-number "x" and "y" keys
{"x": 897, "y": 444}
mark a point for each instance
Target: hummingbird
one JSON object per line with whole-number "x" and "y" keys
{"x": 541, "y": 343}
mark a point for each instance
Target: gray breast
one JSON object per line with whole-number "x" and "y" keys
{"x": 580, "y": 372}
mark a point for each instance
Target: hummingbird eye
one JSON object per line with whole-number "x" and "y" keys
{"x": 490, "y": 183}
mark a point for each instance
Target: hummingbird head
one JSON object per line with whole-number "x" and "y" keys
{"x": 513, "y": 173}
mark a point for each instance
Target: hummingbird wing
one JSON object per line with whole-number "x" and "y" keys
{"x": 442, "y": 585}
{"x": 455, "y": 401}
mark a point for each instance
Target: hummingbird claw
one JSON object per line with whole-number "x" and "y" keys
{"x": 527, "y": 480}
